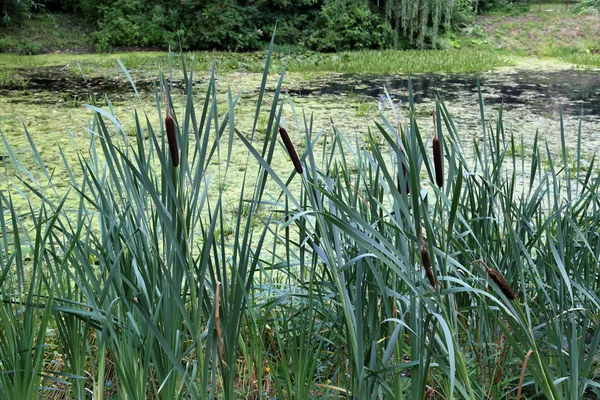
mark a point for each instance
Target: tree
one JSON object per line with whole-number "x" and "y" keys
{"x": 418, "y": 20}
{"x": 17, "y": 9}
{"x": 349, "y": 25}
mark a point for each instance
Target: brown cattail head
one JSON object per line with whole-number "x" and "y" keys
{"x": 438, "y": 161}
{"x": 500, "y": 281}
{"x": 426, "y": 260}
{"x": 290, "y": 149}
{"x": 427, "y": 266}
{"x": 405, "y": 175}
{"x": 172, "y": 138}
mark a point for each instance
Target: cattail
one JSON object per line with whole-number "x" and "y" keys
{"x": 170, "y": 125}
{"x": 499, "y": 280}
{"x": 427, "y": 266}
{"x": 438, "y": 161}
{"x": 426, "y": 261}
{"x": 405, "y": 175}
{"x": 171, "y": 137}
{"x": 290, "y": 149}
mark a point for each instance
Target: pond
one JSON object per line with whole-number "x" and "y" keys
{"x": 543, "y": 92}
{"x": 531, "y": 100}
{"x": 50, "y": 103}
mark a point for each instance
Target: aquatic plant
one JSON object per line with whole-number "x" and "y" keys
{"x": 320, "y": 284}
{"x": 438, "y": 161}
{"x": 427, "y": 263}
{"x": 289, "y": 146}
{"x": 500, "y": 281}
{"x": 171, "y": 136}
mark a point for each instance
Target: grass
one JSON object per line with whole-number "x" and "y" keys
{"x": 548, "y": 30}
{"x": 391, "y": 62}
{"x": 585, "y": 59}
{"x": 46, "y": 33}
{"x": 363, "y": 62}
{"x": 11, "y": 78}
{"x": 317, "y": 289}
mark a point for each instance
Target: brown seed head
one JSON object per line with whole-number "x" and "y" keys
{"x": 290, "y": 149}
{"x": 405, "y": 175}
{"x": 438, "y": 162}
{"x": 500, "y": 281}
{"x": 172, "y": 139}
{"x": 427, "y": 265}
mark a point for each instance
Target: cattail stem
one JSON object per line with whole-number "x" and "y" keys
{"x": 290, "y": 149}
{"x": 499, "y": 280}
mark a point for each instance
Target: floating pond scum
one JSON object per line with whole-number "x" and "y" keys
{"x": 140, "y": 279}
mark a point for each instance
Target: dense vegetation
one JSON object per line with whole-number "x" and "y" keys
{"x": 246, "y": 25}
{"x": 402, "y": 264}
{"x": 367, "y": 267}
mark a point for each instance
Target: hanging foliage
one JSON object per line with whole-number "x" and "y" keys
{"x": 418, "y": 19}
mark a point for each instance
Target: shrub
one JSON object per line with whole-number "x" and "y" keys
{"x": 349, "y": 25}
{"x": 28, "y": 47}
{"x": 591, "y": 7}
{"x": 462, "y": 13}
{"x": 17, "y": 9}
{"x": 220, "y": 24}
{"x": 130, "y": 23}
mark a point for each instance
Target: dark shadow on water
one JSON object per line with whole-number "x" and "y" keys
{"x": 574, "y": 92}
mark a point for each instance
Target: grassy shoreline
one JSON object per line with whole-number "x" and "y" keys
{"x": 360, "y": 62}
{"x": 546, "y": 34}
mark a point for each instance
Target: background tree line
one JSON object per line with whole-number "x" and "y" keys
{"x": 325, "y": 25}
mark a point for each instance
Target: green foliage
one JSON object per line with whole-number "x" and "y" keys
{"x": 229, "y": 24}
{"x": 220, "y": 24}
{"x": 246, "y": 25}
{"x": 44, "y": 33}
{"x": 28, "y": 47}
{"x": 502, "y": 6}
{"x": 463, "y": 13}
{"x": 591, "y": 7}
{"x": 17, "y": 9}
{"x": 295, "y": 19}
{"x": 133, "y": 23}
{"x": 349, "y": 25}
{"x": 419, "y": 20}
{"x": 22, "y": 47}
